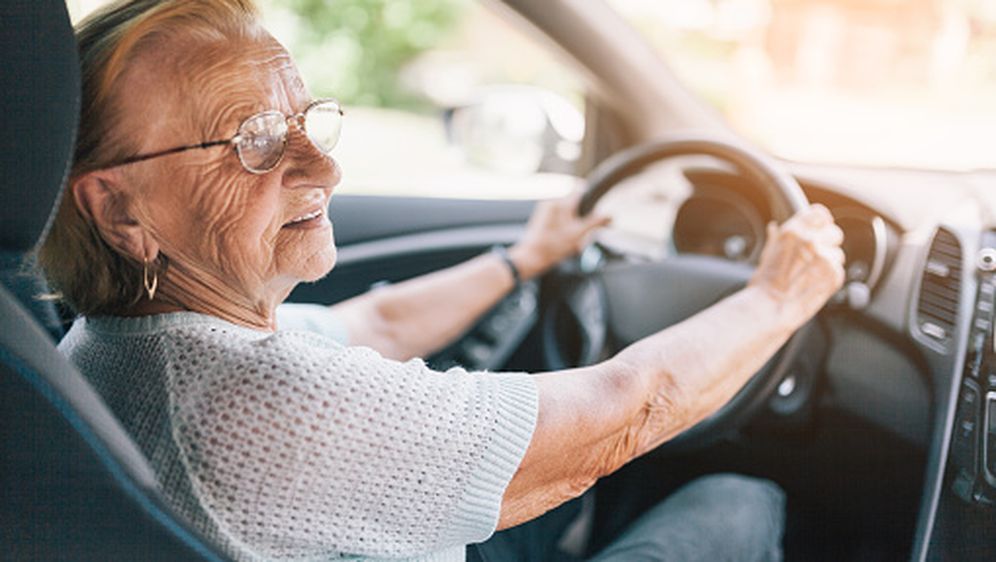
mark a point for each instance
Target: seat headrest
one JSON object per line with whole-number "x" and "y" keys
{"x": 40, "y": 92}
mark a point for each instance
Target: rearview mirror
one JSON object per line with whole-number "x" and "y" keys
{"x": 518, "y": 130}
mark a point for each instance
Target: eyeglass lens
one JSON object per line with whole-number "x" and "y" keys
{"x": 261, "y": 141}
{"x": 323, "y": 122}
{"x": 263, "y": 137}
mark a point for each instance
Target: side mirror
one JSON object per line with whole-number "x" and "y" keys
{"x": 518, "y": 130}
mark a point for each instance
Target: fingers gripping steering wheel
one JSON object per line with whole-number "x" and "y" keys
{"x": 624, "y": 302}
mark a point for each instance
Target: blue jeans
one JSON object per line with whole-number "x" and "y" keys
{"x": 715, "y": 518}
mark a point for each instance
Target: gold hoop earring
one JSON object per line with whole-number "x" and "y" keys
{"x": 150, "y": 287}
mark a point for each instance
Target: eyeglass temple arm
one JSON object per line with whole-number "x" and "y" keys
{"x": 207, "y": 144}
{"x": 157, "y": 154}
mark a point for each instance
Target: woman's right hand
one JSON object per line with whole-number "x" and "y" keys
{"x": 802, "y": 264}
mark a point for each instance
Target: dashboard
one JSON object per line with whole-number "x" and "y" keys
{"x": 898, "y": 340}
{"x": 723, "y": 217}
{"x": 915, "y": 349}
{"x": 896, "y": 363}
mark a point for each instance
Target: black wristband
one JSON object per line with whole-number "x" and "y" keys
{"x": 502, "y": 252}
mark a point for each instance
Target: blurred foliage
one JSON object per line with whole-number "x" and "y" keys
{"x": 354, "y": 50}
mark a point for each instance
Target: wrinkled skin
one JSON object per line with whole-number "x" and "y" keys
{"x": 224, "y": 230}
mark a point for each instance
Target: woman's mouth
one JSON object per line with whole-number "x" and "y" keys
{"x": 314, "y": 219}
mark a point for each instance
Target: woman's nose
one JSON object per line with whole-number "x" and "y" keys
{"x": 307, "y": 164}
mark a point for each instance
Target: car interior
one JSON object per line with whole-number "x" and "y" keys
{"x": 878, "y": 418}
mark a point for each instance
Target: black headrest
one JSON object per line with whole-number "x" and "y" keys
{"x": 39, "y": 112}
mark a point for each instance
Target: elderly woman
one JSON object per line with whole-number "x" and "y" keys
{"x": 197, "y": 201}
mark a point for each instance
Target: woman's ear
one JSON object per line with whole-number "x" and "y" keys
{"x": 102, "y": 198}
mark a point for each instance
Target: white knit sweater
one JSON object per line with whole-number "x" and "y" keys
{"x": 291, "y": 446}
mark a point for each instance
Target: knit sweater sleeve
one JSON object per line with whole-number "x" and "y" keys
{"x": 301, "y": 448}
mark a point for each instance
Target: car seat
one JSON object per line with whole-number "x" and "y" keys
{"x": 74, "y": 486}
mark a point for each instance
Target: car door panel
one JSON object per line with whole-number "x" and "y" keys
{"x": 390, "y": 239}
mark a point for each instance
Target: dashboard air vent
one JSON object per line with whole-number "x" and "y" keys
{"x": 940, "y": 288}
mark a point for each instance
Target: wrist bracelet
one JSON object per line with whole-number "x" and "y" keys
{"x": 502, "y": 252}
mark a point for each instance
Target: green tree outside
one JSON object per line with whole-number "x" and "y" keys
{"x": 354, "y": 50}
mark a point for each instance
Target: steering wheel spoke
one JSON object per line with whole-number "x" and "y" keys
{"x": 644, "y": 298}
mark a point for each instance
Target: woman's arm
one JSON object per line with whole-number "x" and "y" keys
{"x": 419, "y": 316}
{"x": 595, "y": 419}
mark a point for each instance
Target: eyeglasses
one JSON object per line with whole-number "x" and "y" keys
{"x": 261, "y": 139}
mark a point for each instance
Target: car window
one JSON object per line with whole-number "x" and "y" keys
{"x": 443, "y": 98}
{"x": 872, "y": 82}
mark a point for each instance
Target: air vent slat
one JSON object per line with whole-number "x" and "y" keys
{"x": 945, "y": 291}
{"x": 940, "y": 287}
{"x": 934, "y": 296}
{"x": 950, "y": 247}
{"x": 940, "y": 312}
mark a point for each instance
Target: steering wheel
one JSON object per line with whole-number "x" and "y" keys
{"x": 624, "y": 302}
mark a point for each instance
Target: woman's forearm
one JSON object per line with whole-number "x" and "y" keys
{"x": 709, "y": 359}
{"x": 603, "y": 416}
{"x": 593, "y": 420}
{"x": 421, "y": 315}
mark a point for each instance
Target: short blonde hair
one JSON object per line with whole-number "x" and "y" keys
{"x": 86, "y": 273}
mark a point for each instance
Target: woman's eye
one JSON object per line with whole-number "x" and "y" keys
{"x": 260, "y": 142}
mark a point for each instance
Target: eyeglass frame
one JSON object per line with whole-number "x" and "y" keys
{"x": 296, "y": 118}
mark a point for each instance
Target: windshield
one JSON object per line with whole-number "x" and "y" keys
{"x": 404, "y": 70}
{"x": 908, "y": 83}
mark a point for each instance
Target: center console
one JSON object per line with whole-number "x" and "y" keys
{"x": 973, "y": 444}
{"x": 965, "y": 527}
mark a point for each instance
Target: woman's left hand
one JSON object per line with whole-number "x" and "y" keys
{"x": 554, "y": 232}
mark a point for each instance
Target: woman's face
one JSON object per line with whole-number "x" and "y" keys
{"x": 227, "y": 232}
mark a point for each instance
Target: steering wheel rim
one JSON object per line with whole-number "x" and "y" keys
{"x": 786, "y": 198}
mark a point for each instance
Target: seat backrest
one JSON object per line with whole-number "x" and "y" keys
{"x": 40, "y": 102}
{"x": 74, "y": 486}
